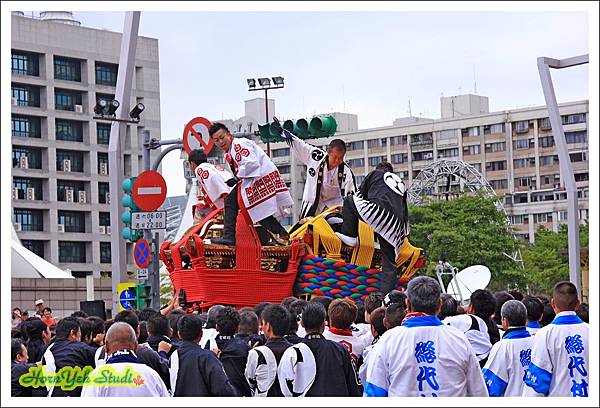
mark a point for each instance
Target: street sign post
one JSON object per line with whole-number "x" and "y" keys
{"x": 141, "y": 253}
{"x": 126, "y": 296}
{"x": 149, "y": 220}
{"x": 141, "y": 274}
{"x": 195, "y": 135}
{"x": 149, "y": 190}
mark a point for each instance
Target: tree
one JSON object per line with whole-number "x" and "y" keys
{"x": 465, "y": 231}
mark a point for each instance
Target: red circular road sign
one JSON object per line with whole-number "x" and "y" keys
{"x": 149, "y": 190}
{"x": 195, "y": 135}
{"x": 141, "y": 253}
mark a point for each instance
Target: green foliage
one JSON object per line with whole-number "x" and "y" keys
{"x": 466, "y": 231}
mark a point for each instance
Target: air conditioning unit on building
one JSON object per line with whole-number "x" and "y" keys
{"x": 79, "y": 108}
{"x": 103, "y": 169}
{"x": 15, "y": 193}
{"x": 30, "y": 193}
{"x": 17, "y": 226}
{"x": 107, "y": 199}
{"x": 82, "y": 197}
{"x": 69, "y": 196}
{"x": 108, "y": 229}
{"x": 60, "y": 227}
{"x": 102, "y": 229}
{"x": 67, "y": 165}
{"x": 14, "y": 101}
{"x": 24, "y": 162}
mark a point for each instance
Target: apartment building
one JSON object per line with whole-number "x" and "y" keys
{"x": 60, "y": 195}
{"x": 513, "y": 149}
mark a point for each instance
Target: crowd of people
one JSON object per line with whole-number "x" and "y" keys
{"x": 418, "y": 342}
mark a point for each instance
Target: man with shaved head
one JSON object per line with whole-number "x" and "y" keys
{"x": 132, "y": 378}
{"x": 560, "y": 355}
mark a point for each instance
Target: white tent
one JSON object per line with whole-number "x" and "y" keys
{"x": 26, "y": 264}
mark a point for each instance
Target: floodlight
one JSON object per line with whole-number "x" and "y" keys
{"x": 278, "y": 80}
{"x": 264, "y": 81}
{"x": 137, "y": 109}
{"x": 251, "y": 82}
{"x": 100, "y": 105}
{"x": 112, "y": 107}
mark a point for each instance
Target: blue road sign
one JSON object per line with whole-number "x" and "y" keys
{"x": 141, "y": 253}
{"x": 126, "y": 298}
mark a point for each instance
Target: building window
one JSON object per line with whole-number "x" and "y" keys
{"x": 67, "y": 69}
{"x": 359, "y": 180}
{"x": 106, "y": 74}
{"x": 103, "y": 133}
{"x": 22, "y": 184}
{"x": 499, "y": 184}
{"x": 546, "y": 141}
{"x": 399, "y": 140}
{"x": 495, "y": 165}
{"x": 281, "y": 152}
{"x": 571, "y": 119}
{"x": 582, "y": 176}
{"x": 63, "y": 185}
{"x": 26, "y": 126}
{"x": 66, "y": 100}
{"x": 25, "y": 63}
{"x": 104, "y": 219}
{"x": 103, "y": 193}
{"x": 550, "y": 179}
{"x": 105, "y": 256}
{"x": 470, "y": 132}
{"x": 520, "y": 219}
{"x": 549, "y": 160}
{"x": 75, "y": 160}
{"x": 542, "y": 218}
{"x": 421, "y": 139}
{"x": 471, "y": 150}
{"x": 402, "y": 174}
{"x": 37, "y": 247}
{"x": 578, "y": 156}
{"x": 524, "y": 162}
{"x": 71, "y": 252}
{"x": 495, "y": 147}
{"x": 26, "y": 95}
{"x": 69, "y": 130}
{"x": 355, "y": 163}
{"x": 576, "y": 137}
{"x": 418, "y": 156}
{"x": 30, "y": 220}
{"x": 355, "y": 145}
{"x": 74, "y": 221}
{"x": 447, "y": 153}
{"x": 525, "y": 182}
{"x": 374, "y": 161}
{"x": 545, "y": 124}
{"x": 477, "y": 166}
{"x": 34, "y": 157}
{"x": 523, "y": 144}
{"x": 284, "y": 169}
{"x": 522, "y": 126}
{"x": 103, "y": 164}
{"x": 375, "y": 143}
{"x": 399, "y": 158}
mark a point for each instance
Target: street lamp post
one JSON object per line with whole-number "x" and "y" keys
{"x": 265, "y": 84}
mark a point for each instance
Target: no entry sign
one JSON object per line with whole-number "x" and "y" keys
{"x": 149, "y": 190}
{"x": 195, "y": 135}
{"x": 141, "y": 253}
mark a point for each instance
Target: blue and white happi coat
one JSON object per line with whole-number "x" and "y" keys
{"x": 507, "y": 363}
{"x": 560, "y": 359}
{"x": 423, "y": 357}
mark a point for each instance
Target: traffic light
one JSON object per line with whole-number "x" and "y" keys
{"x": 322, "y": 126}
{"x": 129, "y": 204}
{"x": 268, "y": 133}
{"x": 299, "y": 127}
{"x": 142, "y": 296}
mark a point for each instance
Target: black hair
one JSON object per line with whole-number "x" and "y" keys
{"x": 360, "y": 316}
{"x": 258, "y": 309}
{"x": 501, "y": 298}
{"x": 313, "y": 316}
{"x": 449, "y": 306}
{"x": 248, "y": 323}
{"x": 86, "y": 329}
{"x": 197, "y": 156}
{"x": 565, "y": 296}
{"x": 373, "y": 301}
{"x": 16, "y": 346}
{"x": 534, "y": 306}
{"x": 66, "y": 325}
{"x": 288, "y": 301}
{"x": 46, "y": 308}
{"x": 394, "y": 314}
{"x": 228, "y": 321}
{"x": 143, "y": 333}
{"x": 158, "y": 326}
{"x": 216, "y": 126}
{"x": 337, "y": 144}
{"x": 146, "y": 313}
{"x": 128, "y": 317}
{"x": 385, "y": 166}
{"x": 189, "y": 327}
{"x": 97, "y": 325}
{"x": 377, "y": 317}
{"x": 295, "y": 309}
{"x": 325, "y": 301}
{"x": 32, "y": 330}
{"x": 79, "y": 313}
{"x": 548, "y": 315}
{"x": 484, "y": 303}
{"x": 173, "y": 318}
{"x": 583, "y": 311}
{"x": 394, "y": 296}
{"x": 278, "y": 317}
{"x": 16, "y": 334}
{"x": 516, "y": 294}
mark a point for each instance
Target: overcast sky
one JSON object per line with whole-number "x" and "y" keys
{"x": 366, "y": 63}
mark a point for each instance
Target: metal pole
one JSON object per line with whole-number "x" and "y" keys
{"x": 148, "y": 233}
{"x": 267, "y": 117}
{"x": 115, "y": 151}
{"x": 566, "y": 170}
{"x": 155, "y": 282}
{"x": 163, "y": 153}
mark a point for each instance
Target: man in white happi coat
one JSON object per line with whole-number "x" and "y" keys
{"x": 212, "y": 181}
{"x": 264, "y": 193}
{"x": 422, "y": 356}
{"x": 505, "y": 368}
{"x": 560, "y": 358}
{"x": 328, "y": 178}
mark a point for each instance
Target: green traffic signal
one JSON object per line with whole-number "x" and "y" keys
{"x": 142, "y": 296}
{"x": 322, "y": 126}
{"x": 299, "y": 127}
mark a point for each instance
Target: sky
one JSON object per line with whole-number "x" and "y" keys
{"x": 366, "y": 63}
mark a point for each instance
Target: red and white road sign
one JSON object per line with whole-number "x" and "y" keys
{"x": 195, "y": 135}
{"x": 149, "y": 190}
{"x": 141, "y": 253}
